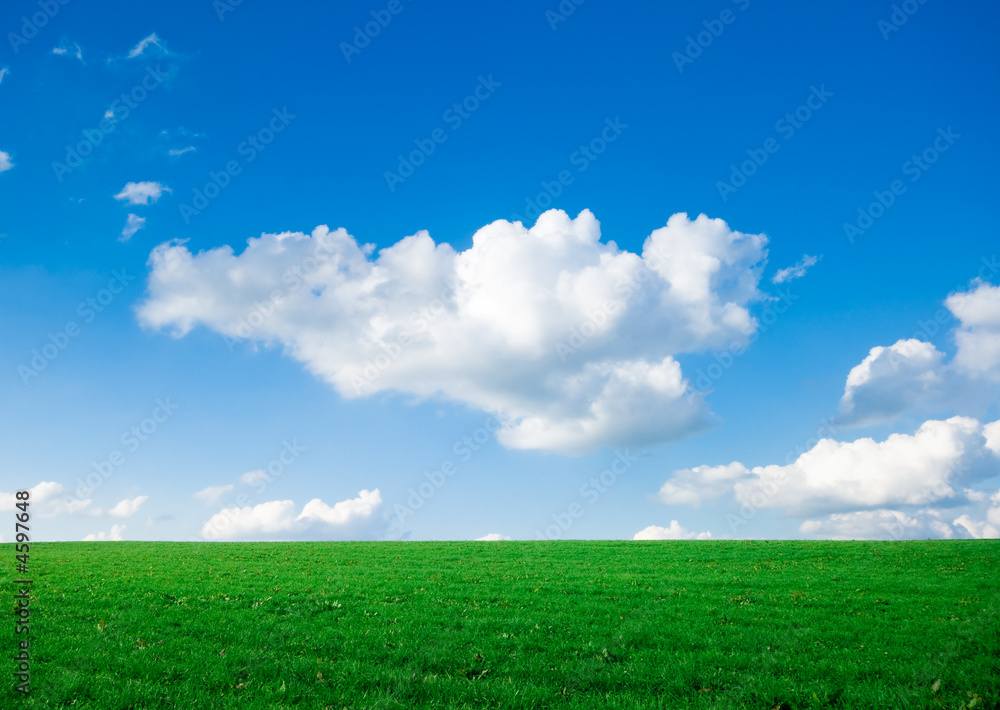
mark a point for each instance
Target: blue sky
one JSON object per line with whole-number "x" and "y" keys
{"x": 141, "y": 148}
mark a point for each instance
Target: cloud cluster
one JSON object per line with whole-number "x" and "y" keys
{"x": 878, "y": 489}
{"x": 5, "y": 162}
{"x": 49, "y": 499}
{"x": 898, "y": 525}
{"x": 484, "y": 326}
{"x": 675, "y": 531}
{"x": 493, "y": 537}
{"x": 933, "y": 464}
{"x": 277, "y": 519}
{"x": 879, "y": 524}
{"x": 114, "y": 535}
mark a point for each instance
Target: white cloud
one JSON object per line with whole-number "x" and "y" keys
{"x": 493, "y": 537}
{"x": 837, "y": 476}
{"x": 251, "y": 477}
{"x": 911, "y": 375}
{"x": 980, "y": 529}
{"x": 494, "y": 326}
{"x": 978, "y": 338}
{"x": 69, "y": 50}
{"x": 676, "y": 531}
{"x": 895, "y": 524}
{"x": 265, "y": 519}
{"x": 145, "y": 43}
{"x": 5, "y": 163}
{"x": 796, "y": 271}
{"x": 906, "y": 375}
{"x": 694, "y": 486}
{"x": 141, "y": 193}
{"x": 879, "y": 524}
{"x": 47, "y": 500}
{"x": 127, "y": 508}
{"x": 277, "y": 519}
{"x": 4, "y": 71}
{"x": 181, "y": 151}
{"x": 213, "y": 494}
{"x": 132, "y": 225}
{"x": 992, "y": 433}
{"x": 115, "y": 534}
{"x": 344, "y": 512}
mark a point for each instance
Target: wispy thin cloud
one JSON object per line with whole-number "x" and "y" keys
{"x": 133, "y": 225}
{"x": 145, "y": 43}
{"x": 796, "y": 271}
{"x": 213, "y": 494}
{"x": 251, "y": 477}
{"x": 69, "y": 50}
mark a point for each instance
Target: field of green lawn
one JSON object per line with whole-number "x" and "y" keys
{"x": 708, "y": 624}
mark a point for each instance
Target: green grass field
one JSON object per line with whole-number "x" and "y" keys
{"x": 511, "y": 625}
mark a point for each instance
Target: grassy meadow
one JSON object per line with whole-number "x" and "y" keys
{"x": 714, "y": 624}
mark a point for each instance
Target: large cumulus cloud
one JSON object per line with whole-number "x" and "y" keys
{"x": 572, "y": 338}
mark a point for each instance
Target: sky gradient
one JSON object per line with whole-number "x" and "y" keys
{"x": 527, "y": 270}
